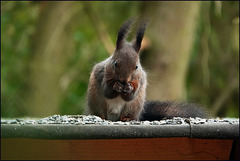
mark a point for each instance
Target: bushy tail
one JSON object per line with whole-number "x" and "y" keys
{"x": 157, "y": 110}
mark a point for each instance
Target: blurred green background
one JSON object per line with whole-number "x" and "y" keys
{"x": 190, "y": 52}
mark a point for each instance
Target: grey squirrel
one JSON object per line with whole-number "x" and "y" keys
{"x": 117, "y": 86}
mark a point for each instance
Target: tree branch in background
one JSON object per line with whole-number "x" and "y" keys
{"x": 100, "y": 27}
{"x": 205, "y": 47}
{"x": 218, "y": 104}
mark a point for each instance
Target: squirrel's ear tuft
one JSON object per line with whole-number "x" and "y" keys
{"x": 122, "y": 33}
{"x": 139, "y": 36}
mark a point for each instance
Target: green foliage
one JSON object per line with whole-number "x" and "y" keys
{"x": 214, "y": 67}
{"x": 18, "y": 21}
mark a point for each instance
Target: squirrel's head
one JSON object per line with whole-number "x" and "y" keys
{"x": 125, "y": 60}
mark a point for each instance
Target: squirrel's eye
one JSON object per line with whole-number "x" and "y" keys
{"x": 115, "y": 64}
{"x": 136, "y": 66}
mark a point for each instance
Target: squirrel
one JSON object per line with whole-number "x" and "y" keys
{"x": 117, "y": 86}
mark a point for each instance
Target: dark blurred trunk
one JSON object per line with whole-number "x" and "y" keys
{"x": 172, "y": 31}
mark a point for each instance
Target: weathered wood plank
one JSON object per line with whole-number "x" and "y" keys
{"x": 180, "y": 148}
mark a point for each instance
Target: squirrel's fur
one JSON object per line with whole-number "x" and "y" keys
{"x": 117, "y": 86}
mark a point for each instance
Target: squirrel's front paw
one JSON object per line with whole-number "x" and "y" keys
{"x": 128, "y": 88}
{"x": 118, "y": 87}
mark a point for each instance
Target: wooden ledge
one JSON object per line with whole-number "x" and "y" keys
{"x": 52, "y": 128}
{"x": 179, "y": 139}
